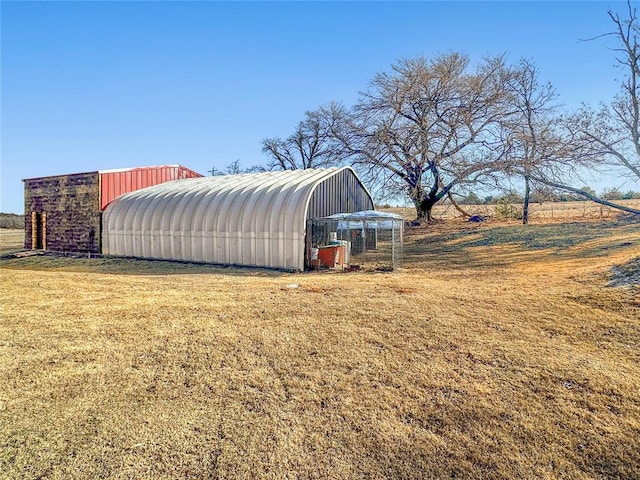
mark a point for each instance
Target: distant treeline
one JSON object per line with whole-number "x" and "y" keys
{"x": 11, "y": 220}
{"x": 545, "y": 197}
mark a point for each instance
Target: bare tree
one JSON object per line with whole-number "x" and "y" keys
{"x": 551, "y": 152}
{"x": 425, "y": 127}
{"x": 310, "y": 146}
{"x": 589, "y": 138}
{"x": 535, "y": 141}
{"x": 235, "y": 168}
{"x": 614, "y": 129}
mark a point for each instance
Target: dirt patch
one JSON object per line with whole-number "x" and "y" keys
{"x": 626, "y": 275}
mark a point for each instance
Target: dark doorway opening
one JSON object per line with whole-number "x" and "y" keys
{"x": 39, "y": 230}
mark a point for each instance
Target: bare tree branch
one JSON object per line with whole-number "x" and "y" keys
{"x": 585, "y": 194}
{"x": 420, "y": 128}
{"x": 310, "y": 146}
{"x": 614, "y": 130}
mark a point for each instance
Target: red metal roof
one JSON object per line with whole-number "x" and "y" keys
{"x": 114, "y": 183}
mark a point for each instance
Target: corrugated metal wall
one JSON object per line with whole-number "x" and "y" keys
{"x": 251, "y": 219}
{"x": 114, "y": 183}
{"x": 340, "y": 193}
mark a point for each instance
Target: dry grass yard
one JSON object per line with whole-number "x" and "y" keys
{"x": 499, "y": 351}
{"x": 10, "y": 240}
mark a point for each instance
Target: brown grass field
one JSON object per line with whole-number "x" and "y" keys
{"x": 538, "y": 212}
{"x": 498, "y": 351}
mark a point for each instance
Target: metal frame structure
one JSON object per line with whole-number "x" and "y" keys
{"x": 365, "y": 239}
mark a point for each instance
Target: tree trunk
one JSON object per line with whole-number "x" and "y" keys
{"x": 525, "y": 206}
{"x": 423, "y": 209}
{"x": 456, "y": 206}
{"x": 423, "y": 215}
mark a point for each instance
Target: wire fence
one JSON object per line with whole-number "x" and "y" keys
{"x": 372, "y": 243}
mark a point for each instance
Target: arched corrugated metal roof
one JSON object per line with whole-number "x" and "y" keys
{"x": 249, "y": 219}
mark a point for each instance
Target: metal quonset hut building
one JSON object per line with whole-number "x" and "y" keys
{"x": 256, "y": 219}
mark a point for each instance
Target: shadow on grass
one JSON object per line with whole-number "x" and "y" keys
{"x": 625, "y": 274}
{"x": 130, "y": 266}
{"x": 568, "y": 240}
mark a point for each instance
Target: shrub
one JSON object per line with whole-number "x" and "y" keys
{"x": 11, "y": 220}
{"x": 505, "y": 209}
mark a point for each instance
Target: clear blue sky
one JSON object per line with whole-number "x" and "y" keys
{"x": 98, "y": 85}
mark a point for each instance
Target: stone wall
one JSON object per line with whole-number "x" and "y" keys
{"x": 71, "y": 208}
